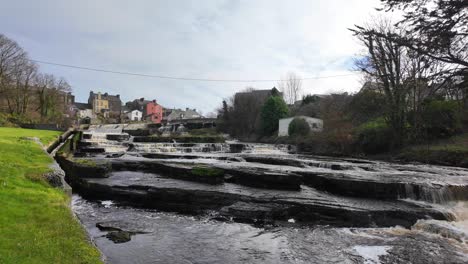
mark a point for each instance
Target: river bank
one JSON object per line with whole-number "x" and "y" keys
{"x": 36, "y": 224}
{"x": 451, "y": 151}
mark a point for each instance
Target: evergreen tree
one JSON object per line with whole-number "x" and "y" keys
{"x": 273, "y": 110}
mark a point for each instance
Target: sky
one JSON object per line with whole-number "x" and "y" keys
{"x": 209, "y": 39}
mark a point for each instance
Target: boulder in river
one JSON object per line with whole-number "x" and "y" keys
{"x": 119, "y": 236}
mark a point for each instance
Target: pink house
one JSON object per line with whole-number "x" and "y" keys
{"x": 153, "y": 112}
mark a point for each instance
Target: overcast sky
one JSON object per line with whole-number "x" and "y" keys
{"x": 251, "y": 39}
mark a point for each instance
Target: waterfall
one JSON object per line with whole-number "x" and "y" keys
{"x": 456, "y": 229}
{"x": 435, "y": 194}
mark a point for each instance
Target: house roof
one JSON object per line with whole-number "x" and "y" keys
{"x": 82, "y": 106}
{"x": 183, "y": 114}
{"x": 106, "y": 96}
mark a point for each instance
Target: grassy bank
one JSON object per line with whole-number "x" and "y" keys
{"x": 451, "y": 152}
{"x": 36, "y": 225}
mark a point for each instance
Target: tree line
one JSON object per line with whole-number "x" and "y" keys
{"x": 418, "y": 66}
{"x": 26, "y": 94}
{"x": 415, "y": 86}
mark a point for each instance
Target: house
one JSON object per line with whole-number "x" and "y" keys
{"x": 83, "y": 110}
{"x": 151, "y": 110}
{"x": 137, "y": 104}
{"x": 109, "y": 105}
{"x": 179, "y": 114}
{"x": 135, "y": 115}
{"x": 260, "y": 96}
{"x": 315, "y": 124}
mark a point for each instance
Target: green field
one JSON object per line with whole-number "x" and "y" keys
{"x": 36, "y": 224}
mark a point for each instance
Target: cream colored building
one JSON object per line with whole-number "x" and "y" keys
{"x": 315, "y": 124}
{"x": 100, "y": 105}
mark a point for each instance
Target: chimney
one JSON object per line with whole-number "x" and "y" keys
{"x": 186, "y": 109}
{"x": 154, "y": 101}
{"x": 142, "y": 99}
{"x": 118, "y": 96}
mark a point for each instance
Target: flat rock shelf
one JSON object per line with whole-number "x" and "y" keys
{"x": 266, "y": 187}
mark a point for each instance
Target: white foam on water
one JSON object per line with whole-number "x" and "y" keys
{"x": 457, "y": 229}
{"x": 371, "y": 254}
{"x": 107, "y": 203}
{"x": 291, "y": 220}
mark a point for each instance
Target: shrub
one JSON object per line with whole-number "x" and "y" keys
{"x": 366, "y": 106}
{"x": 441, "y": 118}
{"x": 298, "y": 127}
{"x": 374, "y": 137}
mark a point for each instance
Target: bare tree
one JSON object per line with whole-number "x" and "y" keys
{"x": 14, "y": 69}
{"x": 438, "y": 29}
{"x": 386, "y": 62}
{"x": 291, "y": 87}
{"x": 404, "y": 76}
{"x": 51, "y": 94}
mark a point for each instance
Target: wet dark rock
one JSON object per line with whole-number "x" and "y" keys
{"x": 131, "y": 147}
{"x": 118, "y": 137}
{"x": 379, "y": 188}
{"x": 137, "y": 132}
{"x": 196, "y": 173}
{"x": 115, "y": 155}
{"x": 77, "y": 168}
{"x": 168, "y": 156}
{"x": 119, "y": 236}
{"x": 92, "y": 150}
{"x": 236, "y": 147}
{"x": 274, "y": 160}
{"x": 87, "y": 136}
{"x": 235, "y": 159}
{"x": 84, "y": 144}
{"x": 107, "y": 226}
{"x": 180, "y": 139}
{"x": 244, "y": 203}
{"x": 264, "y": 179}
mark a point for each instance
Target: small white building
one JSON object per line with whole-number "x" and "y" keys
{"x": 315, "y": 124}
{"x": 135, "y": 115}
{"x": 85, "y": 113}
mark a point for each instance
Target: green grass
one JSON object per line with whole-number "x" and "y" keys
{"x": 36, "y": 224}
{"x": 85, "y": 162}
{"x": 45, "y": 136}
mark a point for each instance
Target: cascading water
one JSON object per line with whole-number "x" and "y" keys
{"x": 399, "y": 188}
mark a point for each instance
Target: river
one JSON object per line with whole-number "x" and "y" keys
{"x": 342, "y": 211}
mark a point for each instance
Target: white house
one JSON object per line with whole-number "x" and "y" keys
{"x": 315, "y": 124}
{"x": 85, "y": 113}
{"x": 135, "y": 115}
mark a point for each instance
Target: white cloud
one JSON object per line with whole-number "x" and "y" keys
{"x": 204, "y": 39}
